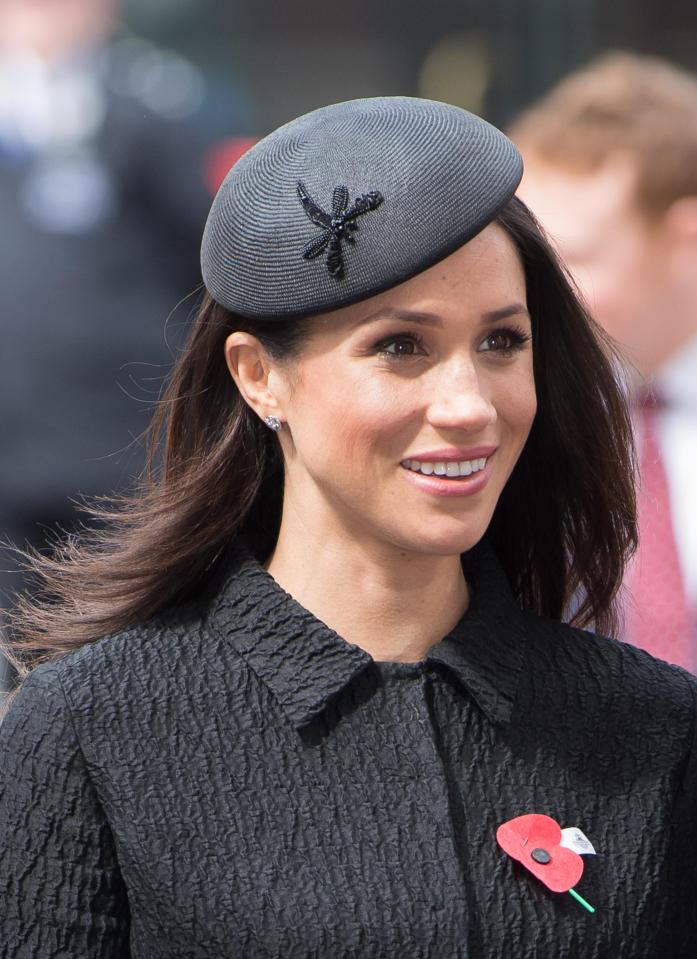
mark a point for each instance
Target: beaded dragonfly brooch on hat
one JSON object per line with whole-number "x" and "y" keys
{"x": 337, "y": 226}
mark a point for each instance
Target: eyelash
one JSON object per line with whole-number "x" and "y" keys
{"x": 516, "y": 336}
{"x": 412, "y": 338}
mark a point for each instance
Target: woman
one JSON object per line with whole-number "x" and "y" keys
{"x": 296, "y": 685}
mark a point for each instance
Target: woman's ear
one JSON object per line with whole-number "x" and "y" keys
{"x": 251, "y": 368}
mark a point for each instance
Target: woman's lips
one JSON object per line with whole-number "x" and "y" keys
{"x": 440, "y": 485}
{"x": 450, "y": 453}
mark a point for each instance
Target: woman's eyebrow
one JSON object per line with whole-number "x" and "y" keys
{"x": 432, "y": 319}
{"x": 410, "y": 316}
{"x": 514, "y": 309}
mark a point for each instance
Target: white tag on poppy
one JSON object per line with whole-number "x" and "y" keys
{"x": 573, "y": 838}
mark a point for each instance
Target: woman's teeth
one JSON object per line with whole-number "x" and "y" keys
{"x": 449, "y": 470}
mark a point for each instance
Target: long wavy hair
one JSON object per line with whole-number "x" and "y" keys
{"x": 563, "y": 528}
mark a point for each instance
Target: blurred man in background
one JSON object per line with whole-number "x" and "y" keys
{"x": 611, "y": 172}
{"x": 102, "y": 204}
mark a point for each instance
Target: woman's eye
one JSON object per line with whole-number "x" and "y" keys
{"x": 401, "y": 346}
{"x": 504, "y": 341}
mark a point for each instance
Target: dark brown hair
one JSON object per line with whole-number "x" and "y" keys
{"x": 563, "y": 527}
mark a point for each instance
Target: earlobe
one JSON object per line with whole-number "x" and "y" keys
{"x": 250, "y": 368}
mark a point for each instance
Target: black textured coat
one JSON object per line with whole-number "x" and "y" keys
{"x": 237, "y": 780}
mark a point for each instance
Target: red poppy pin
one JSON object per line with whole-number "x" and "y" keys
{"x": 549, "y": 852}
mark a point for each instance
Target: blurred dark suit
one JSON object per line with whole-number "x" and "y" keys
{"x": 100, "y": 227}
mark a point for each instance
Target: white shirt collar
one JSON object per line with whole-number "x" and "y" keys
{"x": 677, "y": 380}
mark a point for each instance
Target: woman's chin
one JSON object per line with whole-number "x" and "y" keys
{"x": 447, "y": 543}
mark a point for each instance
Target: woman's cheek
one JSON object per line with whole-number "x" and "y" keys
{"x": 364, "y": 421}
{"x": 517, "y": 398}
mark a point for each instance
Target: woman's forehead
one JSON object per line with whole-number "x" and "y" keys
{"x": 483, "y": 276}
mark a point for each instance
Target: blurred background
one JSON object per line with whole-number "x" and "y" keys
{"x": 117, "y": 123}
{"x": 265, "y": 62}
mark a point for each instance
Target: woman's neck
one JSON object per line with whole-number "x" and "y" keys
{"x": 394, "y": 604}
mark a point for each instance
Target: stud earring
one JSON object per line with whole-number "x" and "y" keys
{"x": 273, "y": 423}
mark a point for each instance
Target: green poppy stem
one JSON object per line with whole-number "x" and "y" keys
{"x": 586, "y": 905}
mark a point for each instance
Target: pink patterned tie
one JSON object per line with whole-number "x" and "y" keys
{"x": 658, "y": 615}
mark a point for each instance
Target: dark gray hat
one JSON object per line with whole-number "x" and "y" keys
{"x": 350, "y": 200}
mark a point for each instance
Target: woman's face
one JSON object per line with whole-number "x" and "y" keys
{"x": 405, "y": 414}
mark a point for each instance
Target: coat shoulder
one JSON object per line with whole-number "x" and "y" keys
{"x": 167, "y": 659}
{"x": 612, "y": 677}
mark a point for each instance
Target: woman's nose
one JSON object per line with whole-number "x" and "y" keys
{"x": 461, "y": 404}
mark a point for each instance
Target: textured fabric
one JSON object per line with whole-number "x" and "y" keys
{"x": 441, "y": 172}
{"x": 659, "y": 617}
{"x": 235, "y": 779}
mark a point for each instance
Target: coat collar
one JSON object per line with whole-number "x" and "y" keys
{"x": 306, "y": 664}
